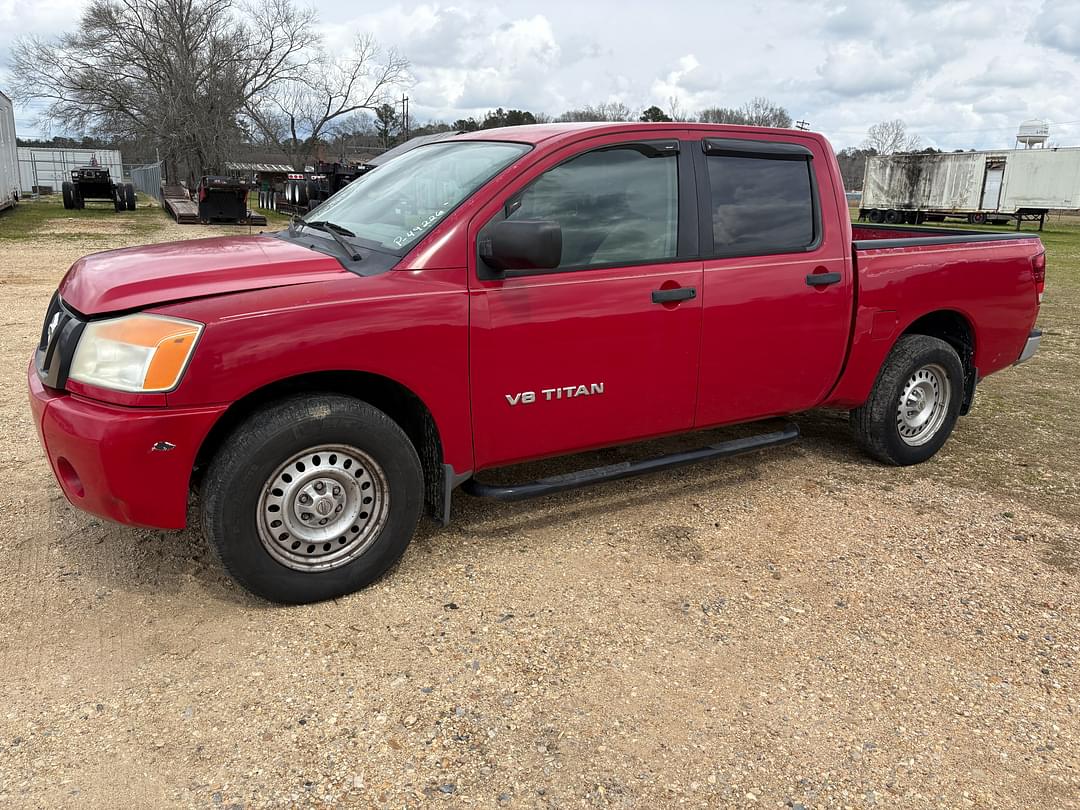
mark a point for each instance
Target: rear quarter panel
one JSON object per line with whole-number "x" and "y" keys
{"x": 990, "y": 284}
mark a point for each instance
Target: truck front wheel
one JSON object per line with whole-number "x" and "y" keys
{"x": 312, "y": 498}
{"x": 914, "y": 403}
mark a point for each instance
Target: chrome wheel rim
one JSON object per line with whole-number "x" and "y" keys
{"x": 323, "y": 507}
{"x": 924, "y": 404}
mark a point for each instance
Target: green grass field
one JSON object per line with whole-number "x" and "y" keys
{"x": 32, "y": 218}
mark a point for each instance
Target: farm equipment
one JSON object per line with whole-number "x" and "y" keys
{"x": 94, "y": 183}
{"x": 225, "y": 199}
{"x": 217, "y": 199}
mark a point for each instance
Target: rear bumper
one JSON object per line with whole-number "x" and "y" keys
{"x": 1031, "y": 346}
{"x": 101, "y": 454}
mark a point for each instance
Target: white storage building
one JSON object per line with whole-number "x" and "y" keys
{"x": 9, "y": 166}
{"x": 45, "y": 167}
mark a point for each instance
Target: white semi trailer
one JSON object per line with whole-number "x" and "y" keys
{"x": 9, "y": 165}
{"x": 992, "y": 186}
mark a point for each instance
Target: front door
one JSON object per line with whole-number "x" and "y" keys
{"x": 777, "y": 291}
{"x": 604, "y": 348}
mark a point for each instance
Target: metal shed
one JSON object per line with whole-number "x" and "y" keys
{"x": 42, "y": 169}
{"x": 9, "y": 166}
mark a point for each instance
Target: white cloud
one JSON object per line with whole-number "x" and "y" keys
{"x": 1058, "y": 26}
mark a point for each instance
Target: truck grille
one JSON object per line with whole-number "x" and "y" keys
{"x": 59, "y": 336}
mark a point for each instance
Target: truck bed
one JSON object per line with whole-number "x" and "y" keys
{"x": 866, "y": 237}
{"x": 978, "y": 278}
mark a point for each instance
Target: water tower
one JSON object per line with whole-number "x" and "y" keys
{"x": 1033, "y": 132}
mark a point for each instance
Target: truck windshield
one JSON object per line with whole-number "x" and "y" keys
{"x": 393, "y": 206}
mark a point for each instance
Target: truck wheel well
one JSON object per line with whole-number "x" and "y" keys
{"x": 954, "y": 329}
{"x": 389, "y": 396}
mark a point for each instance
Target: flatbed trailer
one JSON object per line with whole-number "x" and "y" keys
{"x": 178, "y": 203}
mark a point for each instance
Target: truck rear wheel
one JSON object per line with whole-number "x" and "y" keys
{"x": 129, "y": 196}
{"x": 312, "y": 498}
{"x": 69, "y": 194}
{"x": 914, "y": 403}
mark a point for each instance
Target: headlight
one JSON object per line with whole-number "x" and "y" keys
{"x": 135, "y": 352}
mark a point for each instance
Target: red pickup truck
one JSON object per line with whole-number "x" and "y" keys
{"x": 501, "y": 296}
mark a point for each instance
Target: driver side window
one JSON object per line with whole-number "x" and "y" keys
{"x": 617, "y": 205}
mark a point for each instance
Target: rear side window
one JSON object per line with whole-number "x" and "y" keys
{"x": 617, "y": 205}
{"x": 760, "y": 204}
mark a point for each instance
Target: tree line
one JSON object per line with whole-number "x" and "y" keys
{"x": 199, "y": 82}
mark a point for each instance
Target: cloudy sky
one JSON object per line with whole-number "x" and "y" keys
{"x": 961, "y": 74}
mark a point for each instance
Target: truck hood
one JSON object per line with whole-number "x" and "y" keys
{"x": 137, "y": 277}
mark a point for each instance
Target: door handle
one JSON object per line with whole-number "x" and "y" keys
{"x": 675, "y": 294}
{"x": 822, "y": 279}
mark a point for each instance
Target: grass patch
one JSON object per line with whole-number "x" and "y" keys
{"x": 46, "y": 216}
{"x": 274, "y": 219}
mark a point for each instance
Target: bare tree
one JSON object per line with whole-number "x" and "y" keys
{"x": 175, "y": 72}
{"x": 298, "y": 111}
{"x": 757, "y": 112}
{"x": 675, "y": 109}
{"x": 888, "y": 137}
{"x": 608, "y": 111}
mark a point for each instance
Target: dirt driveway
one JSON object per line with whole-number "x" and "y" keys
{"x": 798, "y": 628}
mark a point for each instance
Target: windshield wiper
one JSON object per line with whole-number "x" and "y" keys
{"x": 336, "y": 231}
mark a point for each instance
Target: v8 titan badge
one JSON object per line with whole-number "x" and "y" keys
{"x": 548, "y": 394}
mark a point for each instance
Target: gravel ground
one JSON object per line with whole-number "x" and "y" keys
{"x": 798, "y": 628}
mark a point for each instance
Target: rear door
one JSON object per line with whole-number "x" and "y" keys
{"x": 777, "y": 287}
{"x": 991, "y": 196}
{"x": 604, "y": 348}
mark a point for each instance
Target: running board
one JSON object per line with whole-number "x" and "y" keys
{"x": 627, "y": 469}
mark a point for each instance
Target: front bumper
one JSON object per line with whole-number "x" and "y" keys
{"x": 1031, "y": 346}
{"x": 103, "y": 458}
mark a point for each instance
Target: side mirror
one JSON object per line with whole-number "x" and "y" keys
{"x": 521, "y": 245}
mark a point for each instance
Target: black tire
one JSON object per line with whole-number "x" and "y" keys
{"x": 877, "y": 424}
{"x": 68, "y": 192}
{"x": 874, "y": 215}
{"x": 977, "y": 219}
{"x": 251, "y": 457}
{"x": 80, "y": 203}
{"x": 892, "y": 217}
{"x": 300, "y": 192}
{"x": 129, "y": 196}
{"x": 118, "y": 198}
{"x": 312, "y": 192}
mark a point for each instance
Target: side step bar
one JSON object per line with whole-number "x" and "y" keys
{"x": 627, "y": 469}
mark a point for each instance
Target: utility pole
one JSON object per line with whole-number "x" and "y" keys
{"x": 405, "y": 116}
{"x": 803, "y": 125}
